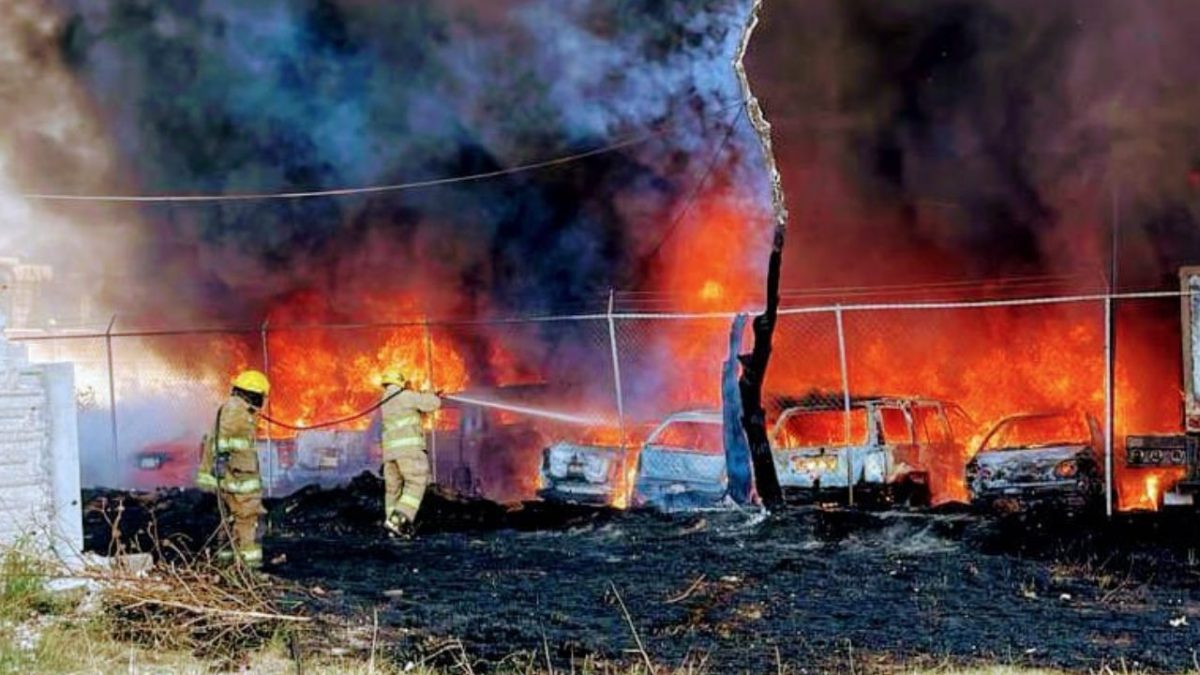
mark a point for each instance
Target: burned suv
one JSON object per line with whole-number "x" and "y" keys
{"x": 1036, "y": 459}
{"x": 887, "y": 449}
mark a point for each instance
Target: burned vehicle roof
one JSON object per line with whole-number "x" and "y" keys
{"x": 833, "y": 400}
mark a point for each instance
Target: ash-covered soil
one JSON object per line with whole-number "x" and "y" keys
{"x": 818, "y": 585}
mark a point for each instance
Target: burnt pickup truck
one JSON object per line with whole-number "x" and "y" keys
{"x": 887, "y": 448}
{"x": 1039, "y": 459}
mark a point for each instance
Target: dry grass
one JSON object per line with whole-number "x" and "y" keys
{"x": 197, "y": 607}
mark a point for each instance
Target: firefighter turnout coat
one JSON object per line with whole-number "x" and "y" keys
{"x": 238, "y": 485}
{"x": 405, "y": 464}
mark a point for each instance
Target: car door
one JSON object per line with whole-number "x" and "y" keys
{"x": 896, "y": 449}
{"x": 941, "y": 457}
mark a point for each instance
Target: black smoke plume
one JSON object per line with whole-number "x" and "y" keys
{"x": 286, "y": 95}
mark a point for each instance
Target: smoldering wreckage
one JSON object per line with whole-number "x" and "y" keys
{"x": 739, "y": 507}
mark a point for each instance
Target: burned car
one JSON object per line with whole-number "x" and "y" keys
{"x": 1035, "y": 459}
{"x": 682, "y": 463}
{"x": 888, "y": 449}
{"x": 162, "y": 465}
{"x": 594, "y": 470}
{"x": 321, "y": 457}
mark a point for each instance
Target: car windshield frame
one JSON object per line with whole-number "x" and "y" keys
{"x": 656, "y": 439}
{"x": 1080, "y": 424}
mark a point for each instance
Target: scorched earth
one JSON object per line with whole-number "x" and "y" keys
{"x": 826, "y": 587}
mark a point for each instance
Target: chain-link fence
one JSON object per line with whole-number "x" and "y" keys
{"x": 520, "y": 386}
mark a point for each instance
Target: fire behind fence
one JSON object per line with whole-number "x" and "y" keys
{"x": 146, "y": 397}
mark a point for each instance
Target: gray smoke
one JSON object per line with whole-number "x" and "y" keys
{"x": 51, "y": 136}
{"x": 218, "y": 96}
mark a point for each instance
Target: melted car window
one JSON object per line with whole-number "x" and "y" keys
{"x": 1038, "y": 431}
{"x": 703, "y": 437}
{"x": 894, "y": 424}
{"x": 931, "y": 425}
{"x": 814, "y": 428}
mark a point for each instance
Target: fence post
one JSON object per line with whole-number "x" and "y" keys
{"x": 112, "y": 399}
{"x": 1109, "y": 415}
{"x": 271, "y": 459}
{"x": 616, "y": 366}
{"x": 841, "y": 337}
{"x": 433, "y": 453}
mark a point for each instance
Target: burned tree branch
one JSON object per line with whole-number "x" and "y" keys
{"x": 754, "y": 364}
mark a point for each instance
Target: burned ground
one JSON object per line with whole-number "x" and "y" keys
{"x": 818, "y": 584}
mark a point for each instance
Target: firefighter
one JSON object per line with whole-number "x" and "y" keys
{"x": 405, "y": 464}
{"x": 229, "y": 466}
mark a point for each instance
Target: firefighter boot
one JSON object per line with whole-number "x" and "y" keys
{"x": 398, "y": 526}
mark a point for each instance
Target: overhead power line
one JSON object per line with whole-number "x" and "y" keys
{"x": 661, "y": 130}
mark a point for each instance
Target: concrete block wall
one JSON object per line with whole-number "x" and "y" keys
{"x": 39, "y": 455}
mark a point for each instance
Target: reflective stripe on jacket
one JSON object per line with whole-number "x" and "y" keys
{"x": 225, "y": 445}
{"x": 402, "y": 412}
{"x": 206, "y": 481}
{"x": 240, "y": 486}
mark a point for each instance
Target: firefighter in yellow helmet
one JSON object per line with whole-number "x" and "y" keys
{"x": 229, "y": 466}
{"x": 405, "y": 464}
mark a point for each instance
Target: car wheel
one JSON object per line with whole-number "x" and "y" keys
{"x": 919, "y": 495}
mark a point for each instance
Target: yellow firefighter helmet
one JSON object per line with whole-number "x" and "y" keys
{"x": 393, "y": 376}
{"x": 253, "y": 381}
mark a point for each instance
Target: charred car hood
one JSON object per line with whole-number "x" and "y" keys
{"x": 1046, "y": 457}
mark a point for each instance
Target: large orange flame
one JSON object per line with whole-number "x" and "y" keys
{"x": 322, "y": 373}
{"x": 993, "y": 362}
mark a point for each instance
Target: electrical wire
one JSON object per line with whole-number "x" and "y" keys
{"x": 662, "y": 130}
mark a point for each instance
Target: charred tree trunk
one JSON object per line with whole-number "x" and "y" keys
{"x": 754, "y": 364}
{"x": 754, "y": 371}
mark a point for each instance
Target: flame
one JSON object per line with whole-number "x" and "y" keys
{"x": 627, "y": 478}
{"x": 712, "y": 291}
{"x": 321, "y": 374}
{"x": 716, "y": 262}
{"x": 993, "y": 362}
{"x": 1152, "y": 490}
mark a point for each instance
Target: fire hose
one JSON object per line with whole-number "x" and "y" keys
{"x": 496, "y": 405}
{"x": 341, "y": 420}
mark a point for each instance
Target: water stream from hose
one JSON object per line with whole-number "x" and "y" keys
{"x": 527, "y": 410}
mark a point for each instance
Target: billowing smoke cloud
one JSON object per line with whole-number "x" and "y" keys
{"x": 224, "y": 97}
{"x": 951, "y": 138}
{"x": 51, "y": 136}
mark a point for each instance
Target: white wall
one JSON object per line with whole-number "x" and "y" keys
{"x": 39, "y": 454}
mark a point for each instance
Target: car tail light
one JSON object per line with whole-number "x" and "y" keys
{"x": 1066, "y": 468}
{"x": 150, "y": 462}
